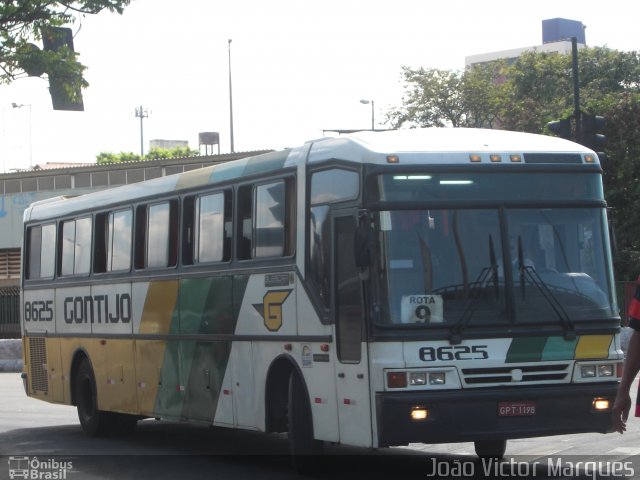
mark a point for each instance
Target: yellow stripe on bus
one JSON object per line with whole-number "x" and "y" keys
{"x": 156, "y": 318}
{"x": 593, "y": 346}
{"x": 158, "y": 307}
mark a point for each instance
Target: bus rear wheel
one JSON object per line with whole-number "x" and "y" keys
{"x": 94, "y": 422}
{"x": 303, "y": 447}
{"x": 491, "y": 449}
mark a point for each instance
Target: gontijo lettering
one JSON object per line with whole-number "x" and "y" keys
{"x": 98, "y": 309}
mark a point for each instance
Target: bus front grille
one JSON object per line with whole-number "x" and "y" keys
{"x": 516, "y": 375}
{"x": 38, "y": 365}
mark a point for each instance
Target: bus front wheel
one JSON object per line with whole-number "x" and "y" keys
{"x": 94, "y": 422}
{"x": 491, "y": 449}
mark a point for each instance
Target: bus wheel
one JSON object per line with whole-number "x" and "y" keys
{"x": 302, "y": 446}
{"x": 493, "y": 449}
{"x": 94, "y": 422}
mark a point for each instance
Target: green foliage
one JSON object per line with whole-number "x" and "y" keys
{"x": 178, "y": 152}
{"x": 108, "y": 157}
{"x": 531, "y": 91}
{"x": 21, "y": 26}
{"x": 154, "y": 154}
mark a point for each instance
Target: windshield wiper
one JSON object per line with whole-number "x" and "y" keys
{"x": 485, "y": 274}
{"x": 556, "y": 306}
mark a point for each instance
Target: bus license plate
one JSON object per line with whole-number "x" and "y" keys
{"x": 516, "y": 409}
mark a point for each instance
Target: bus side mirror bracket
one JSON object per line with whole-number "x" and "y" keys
{"x": 363, "y": 241}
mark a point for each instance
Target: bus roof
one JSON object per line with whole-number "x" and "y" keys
{"x": 413, "y": 146}
{"x": 452, "y": 145}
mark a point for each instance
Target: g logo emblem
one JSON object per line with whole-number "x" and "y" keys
{"x": 271, "y": 308}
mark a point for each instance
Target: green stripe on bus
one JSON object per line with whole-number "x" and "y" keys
{"x": 526, "y": 349}
{"x": 193, "y": 371}
{"x": 557, "y": 348}
{"x": 205, "y": 307}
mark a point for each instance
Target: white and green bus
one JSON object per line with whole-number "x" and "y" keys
{"x": 375, "y": 289}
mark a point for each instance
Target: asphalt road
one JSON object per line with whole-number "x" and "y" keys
{"x": 49, "y": 437}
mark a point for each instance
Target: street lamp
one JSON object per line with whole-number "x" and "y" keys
{"x": 367, "y": 102}
{"x": 21, "y": 105}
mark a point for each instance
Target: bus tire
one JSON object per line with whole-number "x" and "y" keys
{"x": 491, "y": 449}
{"x": 94, "y": 422}
{"x": 303, "y": 448}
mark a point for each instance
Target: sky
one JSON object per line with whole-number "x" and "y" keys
{"x": 297, "y": 68}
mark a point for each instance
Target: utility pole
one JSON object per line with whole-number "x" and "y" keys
{"x": 230, "y": 100}
{"x": 141, "y": 113}
{"x": 576, "y": 90}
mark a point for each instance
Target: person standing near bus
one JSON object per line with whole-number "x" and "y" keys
{"x": 622, "y": 403}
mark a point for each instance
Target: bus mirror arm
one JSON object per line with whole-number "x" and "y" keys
{"x": 363, "y": 241}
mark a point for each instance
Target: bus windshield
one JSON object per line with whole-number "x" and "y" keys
{"x": 492, "y": 266}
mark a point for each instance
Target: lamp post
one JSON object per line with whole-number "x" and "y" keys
{"x": 141, "y": 113}
{"x": 21, "y": 105}
{"x": 367, "y": 102}
{"x": 230, "y": 100}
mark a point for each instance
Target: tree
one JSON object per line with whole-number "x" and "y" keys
{"x": 24, "y": 22}
{"x": 154, "y": 154}
{"x": 109, "y": 157}
{"x": 433, "y": 98}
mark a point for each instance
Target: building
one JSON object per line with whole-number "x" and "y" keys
{"x": 168, "y": 144}
{"x": 556, "y": 37}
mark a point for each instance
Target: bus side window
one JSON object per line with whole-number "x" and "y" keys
{"x": 74, "y": 245}
{"x": 119, "y": 241}
{"x": 270, "y": 219}
{"x": 34, "y": 246}
{"x": 161, "y": 235}
{"x": 212, "y": 212}
{"x": 266, "y": 216}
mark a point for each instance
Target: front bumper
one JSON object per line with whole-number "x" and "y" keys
{"x": 471, "y": 415}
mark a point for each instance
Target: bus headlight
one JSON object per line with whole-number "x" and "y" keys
{"x": 417, "y": 378}
{"x": 605, "y": 370}
{"x": 598, "y": 371}
{"x": 588, "y": 371}
{"x": 437, "y": 378}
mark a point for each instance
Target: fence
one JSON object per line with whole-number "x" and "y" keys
{"x": 10, "y": 312}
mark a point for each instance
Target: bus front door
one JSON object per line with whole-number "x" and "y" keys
{"x": 354, "y": 407}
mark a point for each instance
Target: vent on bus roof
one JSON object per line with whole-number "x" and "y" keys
{"x": 552, "y": 158}
{"x": 38, "y": 364}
